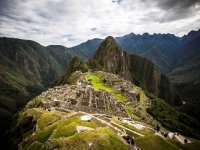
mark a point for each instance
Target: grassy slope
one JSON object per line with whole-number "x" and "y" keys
{"x": 63, "y": 133}
{"x": 173, "y": 119}
{"x": 154, "y": 142}
{"x": 103, "y": 139}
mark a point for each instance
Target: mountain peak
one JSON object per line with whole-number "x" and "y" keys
{"x": 109, "y": 38}
{"x": 108, "y": 46}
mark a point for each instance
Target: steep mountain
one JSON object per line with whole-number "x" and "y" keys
{"x": 110, "y": 57}
{"x": 27, "y": 69}
{"x": 159, "y": 48}
{"x": 74, "y": 65}
{"x": 190, "y": 37}
{"x": 60, "y": 54}
{"x": 186, "y": 75}
{"x": 188, "y": 63}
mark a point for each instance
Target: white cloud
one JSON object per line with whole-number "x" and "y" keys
{"x": 70, "y": 22}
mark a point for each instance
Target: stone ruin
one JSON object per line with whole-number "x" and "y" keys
{"x": 84, "y": 97}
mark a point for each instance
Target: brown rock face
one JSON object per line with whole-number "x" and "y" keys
{"x": 111, "y": 58}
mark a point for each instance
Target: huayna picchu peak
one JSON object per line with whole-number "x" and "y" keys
{"x": 141, "y": 71}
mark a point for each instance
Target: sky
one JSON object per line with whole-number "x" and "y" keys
{"x": 71, "y": 22}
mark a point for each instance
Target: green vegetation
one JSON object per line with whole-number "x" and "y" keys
{"x": 130, "y": 112}
{"x": 154, "y": 142}
{"x": 103, "y": 139}
{"x": 43, "y": 135}
{"x": 73, "y": 78}
{"x": 191, "y": 146}
{"x": 174, "y": 120}
{"x": 98, "y": 83}
{"x": 46, "y": 118}
{"x": 35, "y": 146}
{"x": 188, "y": 146}
{"x": 63, "y": 132}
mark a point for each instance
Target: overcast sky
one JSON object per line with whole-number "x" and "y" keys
{"x": 70, "y": 22}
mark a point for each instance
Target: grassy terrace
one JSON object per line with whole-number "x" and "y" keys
{"x": 153, "y": 142}
{"x": 97, "y": 83}
{"x": 102, "y": 138}
{"x": 130, "y": 112}
{"x": 63, "y": 133}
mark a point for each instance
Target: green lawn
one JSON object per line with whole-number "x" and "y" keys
{"x": 103, "y": 138}
{"x": 63, "y": 134}
{"x": 154, "y": 142}
{"x": 97, "y": 83}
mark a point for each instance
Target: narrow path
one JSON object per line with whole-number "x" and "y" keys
{"x": 134, "y": 132}
{"x": 104, "y": 122}
{"x": 181, "y": 139}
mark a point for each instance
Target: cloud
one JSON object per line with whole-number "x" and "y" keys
{"x": 178, "y": 9}
{"x": 70, "y": 22}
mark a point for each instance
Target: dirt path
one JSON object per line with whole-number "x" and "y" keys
{"x": 109, "y": 124}
{"x": 181, "y": 139}
{"x": 134, "y": 132}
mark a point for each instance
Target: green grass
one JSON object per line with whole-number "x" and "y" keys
{"x": 64, "y": 135}
{"x": 154, "y": 142}
{"x": 43, "y": 135}
{"x": 103, "y": 139}
{"x": 46, "y": 118}
{"x": 36, "y": 112}
{"x": 175, "y": 142}
{"x": 77, "y": 120}
{"x": 35, "y": 146}
{"x": 129, "y": 111}
{"x": 188, "y": 146}
{"x": 121, "y": 98}
{"x": 66, "y": 128}
{"x": 173, "y": 119}
{"x": 191, "y": 146}
{"x": 97, "y": 83}
{"x": 65, "y": 131}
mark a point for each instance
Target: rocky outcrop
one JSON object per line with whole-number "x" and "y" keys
{"x": 111, "y": 58}
{"x": 75, "y": 65}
